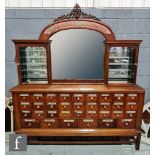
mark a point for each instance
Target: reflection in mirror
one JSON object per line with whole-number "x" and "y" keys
{"x": 77, "y": 54}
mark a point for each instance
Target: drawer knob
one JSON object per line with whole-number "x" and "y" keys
{"x": 29, "y": 124}
{"x": 92, "y": 107}
{"x": 78, "y": 106}
{"x": 37, "y": 97}
{"x": 119, "y": 98}
{"x": 118, "y": 107}
{"x": 49, "y": 124}
{"x": 88, "y": 124}
{"x": 131, "y": 106}
{"x": 131, "y": 115}
{"x": 104, "y": 115}
{"x": 64, "y": 97}
{"x": 38, "y": 115}
{"x": 25, "y": 115}
{"x": 51, "y": 97}
{"x": 51, "y": 106}
{"x": 65, "y": 106}
{"x": 25, "y": 106}
{"x": 105, "y": 98}
{"x": 117, "y": 115}
{"x": 126, "y": 123}
{"x": 91, "y": 98}
{"x": 105, "y": 106}
{"x": 107, "y": 124}
{"x": 78, "y": 98}
{"x": 51, "y": 115}
{"x": 24, "y": 97}
{"x": 78, "y": 114}
{"x": 38, "y": 106}
{"x": 132, "y": 97}
{"x": 68, "y": 124}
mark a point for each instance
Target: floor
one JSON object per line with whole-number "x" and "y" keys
{"x": 81, "y": 149}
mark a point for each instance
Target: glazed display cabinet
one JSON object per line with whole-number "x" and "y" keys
{"x": 77, "y": 84}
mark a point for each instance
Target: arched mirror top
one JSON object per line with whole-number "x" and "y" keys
{"x": 77, "y": 19}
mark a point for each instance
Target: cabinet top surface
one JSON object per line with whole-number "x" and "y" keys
{"x": 75, "y": 88}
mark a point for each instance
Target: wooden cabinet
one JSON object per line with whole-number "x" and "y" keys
{"x": 88, "y": 89}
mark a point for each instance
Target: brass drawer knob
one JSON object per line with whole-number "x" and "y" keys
{"x": 88, "y": 124}
{"x": 119, "y": 98}
{"x": 118, "y": 107}
{"x": 24, "y": 97}
{"x": 51, "y": 115}
{"x": 78, "y": 106}
{"x": 25, "y": 115}
{"x": 105, "y": 106}
{"x": 131, "y": 106}
{"x": 64, "y": 97}
{"x": 78, "y": 98}
{"x": 38, "y": 115}
{"x": 51, "y": 97}
{"x": 132, "y": 97}
{"x": 29, "y": 124}
{"x": 92, "y": 107}
{"x": 51, "y": 106}
{"x": 37, "y": 97}
{"x": 38, "y": 106}
{"x": 68, "y": 124}
{"x": 107, "y": 124}
{"x": 105, "y": 98}
{"x": 131, "y": 115}
{"x": 49, "y": 124}
{"x": 91, "y": 98}
{"x": 126, "y": 123}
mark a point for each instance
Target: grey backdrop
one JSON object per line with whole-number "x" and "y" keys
{"x": 126, "y": 24}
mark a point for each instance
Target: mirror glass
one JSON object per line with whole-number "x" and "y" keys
{"x": 77, "y": 54}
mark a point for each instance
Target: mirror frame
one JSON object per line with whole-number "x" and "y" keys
{"x": 77, "y": 19}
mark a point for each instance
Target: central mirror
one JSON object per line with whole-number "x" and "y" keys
{"x": 77, "y": 54}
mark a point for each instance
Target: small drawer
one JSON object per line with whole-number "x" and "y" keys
{"x": 49, "y": 123}
{"x": 126, "y": 123}
{"x": 26, "y": 114}
{"x": 24, "y": 97}
{"x": 65, "y": 97}
{"x": 25, "y": 105}
{"x": 51, "y": 114}
{"x": 104, "y": 114}
{"x": 38, "y": 106}
{"x": 51, "y": 97}
{"x": 117, "y": 114}
{"x": 131, "y": 106}
{"x": 65, "y": 114}
{"x": 107, "y": 123}
{"x": 91, "y": 97}
{"x": 118, "y": 106}
{"x": 104, "y": 106}
{"x": 38, "y": 97}
{"x": 119, "y": 97}
{"x": 91, "y": 114}
{"x": 91, "y": 106}
{"x": 38, "y": 114}
{"x": 78, "y": 114}
{"x": 130, "y": 114}
{"x": 65, "y": 106}
{"x": 69, "y": 123}
{"x": 105, "y": 98}
{"x": 78, "y": 106}
{"x": 51, "y": 106}
{"x": 29, "y": 123}
{"x": 88, "y": 123}
{"x": 132, "y": 97}
{"x": 78, "y": 98}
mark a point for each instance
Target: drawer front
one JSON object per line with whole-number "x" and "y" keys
{"x": 91, "y": 114}
{"x": 65, "y": 106}
{"x": 29, "y": 123}
{"x": 119, "y": 97}
{"x": 107, "y": 123}
{"x": 88, "y": 123}
{"x": 51, "y": 113}
{"x": 132, "y": 97}
{"x": 118, "y": 106}
{"x": 38, "y": 97}
{"x": 104, "y": 114}
{"x": 26, "y": 114}
{"x": 78, "y": 97}
{"x": 105, "y": 97}
{"x": 65, "y": 114}
{"x": 92, "y": 97}
{"x": 131, "y": 106}
{"x": 38, "y": 106}
{"x": 51, "y": 106}
{"x": 126, "y": 123}
{"x": 51, "y": 97}
{"x": 105, "y": 106}
{"x": 25, "y": 105}
{"x": 92, "y": 106}
{"x": 49, "y": 123}
{"x": 38, "y": 114}
{"x": 24, "y": 97}
{"x": 117, "y": 114}
{"x": 78, "y": 106}
{"x": 69, "y": 123}
{"x": 130, "y": 114}
{"x": 78, "y": 114}
{"x": 65, "y": 97}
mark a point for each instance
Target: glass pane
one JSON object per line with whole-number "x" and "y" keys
{"x": 33, "y": 64}
{"x": 77, "y": 54}
{"x": 121, "y": 64}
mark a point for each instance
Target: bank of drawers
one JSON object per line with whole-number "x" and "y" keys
{"x": 77, "y": 110}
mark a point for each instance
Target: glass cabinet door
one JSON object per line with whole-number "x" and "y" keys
{"x": 33, "y": 65}
{"x": 121, "y": 64}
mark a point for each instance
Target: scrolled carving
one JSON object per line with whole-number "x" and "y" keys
{"x": 76, "y": 13}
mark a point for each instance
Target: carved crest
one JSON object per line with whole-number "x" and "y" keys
{"x": 76, "y": 13}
